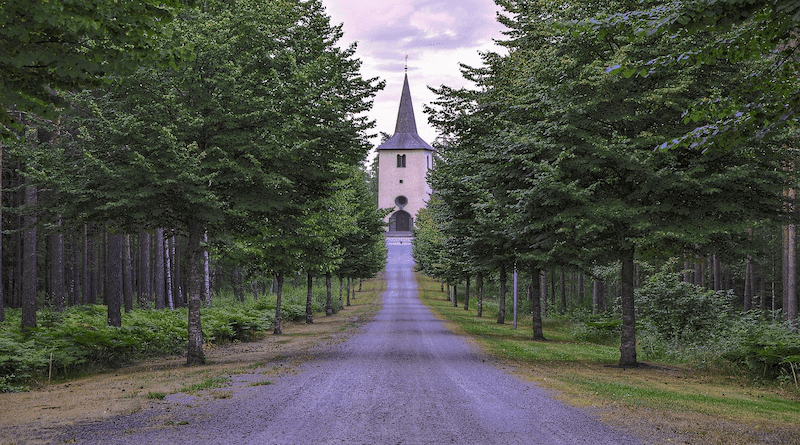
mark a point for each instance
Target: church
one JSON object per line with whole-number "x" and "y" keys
{"x": 403, "y": 164}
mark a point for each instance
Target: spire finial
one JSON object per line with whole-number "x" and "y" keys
{"x": 406, "y": 62}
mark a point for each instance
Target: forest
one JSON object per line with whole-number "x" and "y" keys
{"x": 169, "y": 158}
{"x": 632, "y": 166}
{"x": 629, "y": 165}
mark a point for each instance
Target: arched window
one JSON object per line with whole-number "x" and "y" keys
{"x": 401, "y": 161}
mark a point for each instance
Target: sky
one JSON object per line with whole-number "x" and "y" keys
{"x": 436, "y": 35}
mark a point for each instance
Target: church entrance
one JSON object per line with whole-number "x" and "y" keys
{"x": 400, "y": 222}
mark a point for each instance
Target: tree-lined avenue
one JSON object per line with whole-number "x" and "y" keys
{"x": 405, "y": 379}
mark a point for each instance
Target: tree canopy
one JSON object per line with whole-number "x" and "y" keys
{"x": 561, "y": 151}
{"x": 72, "y": 44}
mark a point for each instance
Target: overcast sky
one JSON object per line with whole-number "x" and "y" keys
{"x": 436, "y": 35}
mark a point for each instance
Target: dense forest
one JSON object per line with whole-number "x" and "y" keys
{"x": 180, "y": 150}
{"x": 634, "y": 165}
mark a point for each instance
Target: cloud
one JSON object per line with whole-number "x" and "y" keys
{"x": 436, "y": 35}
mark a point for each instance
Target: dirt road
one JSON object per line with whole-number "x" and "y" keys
{"x": 404, "y": 379}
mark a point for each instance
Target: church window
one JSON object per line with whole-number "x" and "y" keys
{"x": 401, "y": 161}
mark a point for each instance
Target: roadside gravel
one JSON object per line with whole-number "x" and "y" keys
{"x": 404, "y": 379}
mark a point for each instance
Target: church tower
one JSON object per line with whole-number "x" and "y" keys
{"x": 403, "y": 163}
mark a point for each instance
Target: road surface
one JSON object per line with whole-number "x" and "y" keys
{"x": 404, "y": 379}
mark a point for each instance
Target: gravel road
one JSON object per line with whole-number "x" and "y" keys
{"x": 404, "y": 379}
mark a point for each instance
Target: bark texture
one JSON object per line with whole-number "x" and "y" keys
{"x": 195, "y": 354}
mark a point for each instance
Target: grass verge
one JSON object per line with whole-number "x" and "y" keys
{"x": 660, "y": 403}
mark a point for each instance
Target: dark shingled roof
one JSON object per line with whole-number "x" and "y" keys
{"x": 405, "y": 132}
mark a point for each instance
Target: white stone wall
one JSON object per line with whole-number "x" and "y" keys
{"x": 414, "y": 185}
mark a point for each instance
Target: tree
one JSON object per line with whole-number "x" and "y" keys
{"x": 762, "y": 33}
{"x": 578, "y": 181}
{"x": 69, "y": 45}
{"x": 241, "y": 136}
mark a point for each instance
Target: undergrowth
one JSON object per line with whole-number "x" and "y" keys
{"x": 79, "y": 339}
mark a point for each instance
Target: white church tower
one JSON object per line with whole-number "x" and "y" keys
{"x": 403, "y": 163}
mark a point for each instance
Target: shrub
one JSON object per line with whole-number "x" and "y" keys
{"x": 604, "y": 331}
{"x": 769, "y": 349}
{"x": 682, "y": 312}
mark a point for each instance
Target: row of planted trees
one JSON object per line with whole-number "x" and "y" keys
{"x": 241, "y": 156}
{"x": 613, "y": 136}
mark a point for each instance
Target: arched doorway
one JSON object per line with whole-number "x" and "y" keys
{"x": 400, "y": 222}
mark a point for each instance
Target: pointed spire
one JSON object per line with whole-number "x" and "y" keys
{"x": 405, "y": 117}
{"x": 405, "y": 132}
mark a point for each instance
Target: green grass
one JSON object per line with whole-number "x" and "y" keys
{"x": 263, "y": 383}
{"x": 208, "y": 383}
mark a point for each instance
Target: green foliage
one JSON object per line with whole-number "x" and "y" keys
{"x": 766, "y": 348}
{"x": 681, "y": 311}
{"x": 64, "y": 44}
{"x": 238, "y": 323}
{"x": 605, "y": 331}
{"x": 80, "y": 339}
{"x": 759, "y": 32}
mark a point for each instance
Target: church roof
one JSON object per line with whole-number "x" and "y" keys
{"x": 405, "y": 132}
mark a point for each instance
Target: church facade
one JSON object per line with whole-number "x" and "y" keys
{"x": 403, "y": 164}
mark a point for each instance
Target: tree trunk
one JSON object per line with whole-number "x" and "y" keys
{"x": 687, "y": 273}
{"x": 341, "y": 286}
{"x": 581, "y": 289}
{"x": 159, "y": 279}
{"x": 29, "y": 304}
{"x": 278, "y": 297}
{"x": 501, "y": 311}
{"x": 168, "y": 276}
{"x": 479, "y": 285}
{"x": 466, "y": 293}
{"x": 598, "y": 297}
{"x": 100, "y": 260}
{"x": 113, "y": 293}
{"x": 179, "y": 299}
{"x": 57, "y": 266}
{"x": 206, "y": 271}
{"x": 328, "y": 296}
{"x": 628, "y": 342}
{"x": 717, "y": 268}
{"x": 73, "y": 270}
{"x": 748, "y": 284}
{"x": 145, "y": 279}
{"x": 127, "y": 273}
{"x": 88, "y": 248}
{"x": 455, "y": 295}
{"x": 791, "y": 278}
{"x": 536, "y": 304}
{"x": 347, "y": 288}
{"x": 309, "y": 299}
{"x": 543, "y": 292}
{"x": 195, "y": 354}
{"x": 698, "y": 272}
